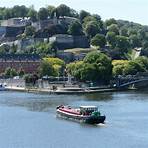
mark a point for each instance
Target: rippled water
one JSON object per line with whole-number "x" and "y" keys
{"x": 28, "y": 121}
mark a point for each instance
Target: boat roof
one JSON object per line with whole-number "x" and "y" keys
{"x": 88, "y": 107}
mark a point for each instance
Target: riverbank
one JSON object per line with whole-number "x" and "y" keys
{"x": 58, "y": 91}
{"x": 23, "y": 89}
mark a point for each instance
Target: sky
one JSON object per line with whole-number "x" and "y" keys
{"x": 131, "y": 10}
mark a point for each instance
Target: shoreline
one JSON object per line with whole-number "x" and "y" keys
{"x": 58, "y": 92}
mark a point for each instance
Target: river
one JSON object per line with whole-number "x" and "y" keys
{"x": 29, "y": 120}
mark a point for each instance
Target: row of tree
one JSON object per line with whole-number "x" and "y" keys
{"x": 132, "y": 67}
{"x": 96, "y": 67}
{"x": 42, "y": 14}
{"x": 11, "y": 72}
{"x": 41, "y": 48}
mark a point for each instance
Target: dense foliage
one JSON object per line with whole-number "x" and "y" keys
{"x": 96, "y": 67}
{"x": 51, "y": 67}
{"x": 124, "y": 67}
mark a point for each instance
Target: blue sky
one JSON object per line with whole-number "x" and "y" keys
{"x": 132, "y": 10}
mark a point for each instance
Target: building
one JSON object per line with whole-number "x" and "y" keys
{"x": 29, "y": 63}
{"x": 16, "y": 22}
{"x": 65, "y": 41}
{"x": 62, "y": 41}
{"x": 11, "y": 28}
{"x": 43, "y": 24}
{"x": 67, "y": 20}
{"x": 9, "y": 33}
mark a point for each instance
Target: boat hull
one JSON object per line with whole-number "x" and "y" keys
{"x": 95, "y": 120}
{"x": 81, "y": 118}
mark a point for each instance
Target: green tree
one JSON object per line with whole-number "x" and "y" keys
{"x": 46, "y": 69}
{"x": 111, "y": 38}
{"x": 7, "y": 72}
{"x": 10, "y": 72}
{"x": 118, "y": 67}
{"x": 132, "y": 67}
{"x": 83, "y": 14}
{"x": 63, "y": 10}
{"x": 124, "y": 31}
{"x": 89, "y": 19}
{"x": 135, "y": 41}
{"x": 29, "y": 31}
{"x": 19, "y": 11}
{"x": 92, "y": 29}
{"x": 98, "y": 40}
{"x": 30, "y": 79}
{"x": 143, "y": 61}
{"x": 57, "y": 64}
{"x": 122, "y": 43}
{"x": 75, "y": 28}
{"x": 74, "y": 69}
{"x": 21, "y": 73}
{"x": 32, "y": 13}
{"x": 51, "y": 10}
{"x": 88, "y": 72}
{"x": 145, "y": 44}
{"x": 95, "y": 67}
{"x": 113, "y": 28}
{"x": 44, "y": 48}
{"x": 132, "y": 32}
{"x": 43, "y": 14}
{"x": 110, "y": 22}
{"x": 7, "y": 13}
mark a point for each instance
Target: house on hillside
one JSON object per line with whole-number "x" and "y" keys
{"x": 29, "y": 63}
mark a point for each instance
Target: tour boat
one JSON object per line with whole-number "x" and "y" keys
{"x": 85, "y": 114}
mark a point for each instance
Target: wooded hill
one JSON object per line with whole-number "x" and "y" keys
{"x": 115, "y": 37}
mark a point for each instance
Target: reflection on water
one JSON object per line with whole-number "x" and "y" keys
{"x": 29, "y": 120}
{"x": 99, "y": 97}
{"x": 43, "y": 103}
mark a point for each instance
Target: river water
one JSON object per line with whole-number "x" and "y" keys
{"x": 29, "y": 120}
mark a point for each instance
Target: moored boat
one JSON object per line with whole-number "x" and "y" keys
{"x": 85, "y": 114}
{"x": 2, "y": 87}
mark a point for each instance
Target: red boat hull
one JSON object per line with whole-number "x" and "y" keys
{"x": 75, "y": 115}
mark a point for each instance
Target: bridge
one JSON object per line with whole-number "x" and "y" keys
{"x": 132, "y": 81}
{"x": 141, "y": 82}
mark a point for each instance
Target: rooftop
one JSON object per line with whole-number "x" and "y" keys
{"x": 88, "y": 107}
{"x": 20, "y": 57}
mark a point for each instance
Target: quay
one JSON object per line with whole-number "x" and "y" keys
{"x": 52, "y": 88}
{"x": 58, "y": 91}
{"x": 66, "y": 87}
